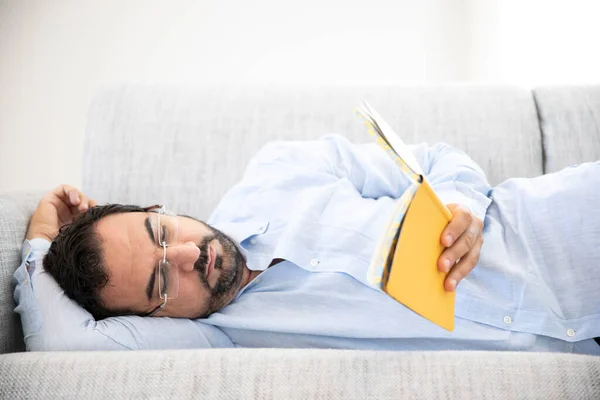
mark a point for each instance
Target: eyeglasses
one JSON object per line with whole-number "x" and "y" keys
{"x": 165, "y": 229}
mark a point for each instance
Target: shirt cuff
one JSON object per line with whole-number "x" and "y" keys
{"x": 475, "y": 202}
{"x": 34, "y": 249}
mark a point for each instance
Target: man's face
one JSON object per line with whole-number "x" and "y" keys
{"x": 131, "y": 256}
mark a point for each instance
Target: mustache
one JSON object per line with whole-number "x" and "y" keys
{"x": 202, "y": 262}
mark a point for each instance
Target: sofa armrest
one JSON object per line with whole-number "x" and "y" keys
{"x": 298, "y": 374}
{"x": 16, "y": 210}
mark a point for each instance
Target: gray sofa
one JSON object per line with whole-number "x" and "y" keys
{"x": 186, "y": 146}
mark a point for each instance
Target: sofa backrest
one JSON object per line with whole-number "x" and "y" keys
{"x": 570, "y": 124}
{"x": 186, "y": 146}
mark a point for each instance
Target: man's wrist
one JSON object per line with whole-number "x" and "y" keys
{"x": 39, "y": 230}
{"x": 37, "y": 235}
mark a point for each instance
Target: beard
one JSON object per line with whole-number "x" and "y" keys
{"x": 230, "y": 266}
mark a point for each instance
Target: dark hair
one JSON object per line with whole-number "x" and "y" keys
{"x": 75, "y": 260}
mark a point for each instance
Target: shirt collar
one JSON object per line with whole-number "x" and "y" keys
{"x": 241, "y": 231}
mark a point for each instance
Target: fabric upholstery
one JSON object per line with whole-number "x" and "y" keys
{"x": 299, "y": 374}
{"x": 15, "y": 211}
{"x": 186, "y": 146}
{"x": 570, "y": 123}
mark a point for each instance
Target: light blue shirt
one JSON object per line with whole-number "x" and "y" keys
{"x": 323, "y": 206}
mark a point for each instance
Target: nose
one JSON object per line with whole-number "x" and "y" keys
{"x": 184, "y": 255}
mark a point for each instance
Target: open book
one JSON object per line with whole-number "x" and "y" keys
{"x": 405, "y": 262}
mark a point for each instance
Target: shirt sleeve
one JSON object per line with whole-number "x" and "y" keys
{"x": 51, "y": 321}
{"x": 455, "y": 177}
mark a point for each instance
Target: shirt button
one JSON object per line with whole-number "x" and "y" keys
{"x": 570, "y": 332}
{"x": 314, "y": 262}
{"x": 252, "y": 241}
{"x": 507, "y": 320}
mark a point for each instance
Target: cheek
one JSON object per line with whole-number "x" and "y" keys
{"x": 218, "y": 247}
{"x": 190, "y": 230}
{"x": 190, "y": 287}
{"x": 190, "y": 301}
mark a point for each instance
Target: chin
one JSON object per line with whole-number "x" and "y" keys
{"x": 196, "y": 316}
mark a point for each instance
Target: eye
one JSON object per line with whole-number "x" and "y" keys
{"x": 164, "y": 238}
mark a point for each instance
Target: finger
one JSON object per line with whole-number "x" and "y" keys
{"x": 461, "y": 220}
{"x": 65, "y": 212}
{"x": 463, "y": 267}
{"x": 75, "y": 199}
{"x": 84, "y": 203}
{"x": 462, "y": 246}
{"x": 68, "y": 194}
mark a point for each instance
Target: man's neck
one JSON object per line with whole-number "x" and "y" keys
{"x": 249, "y": 274}
{"x": 253, "y": 274}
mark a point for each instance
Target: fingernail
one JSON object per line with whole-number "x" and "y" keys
{"x": 452, "y": 283}
{"x": 446, "y": 265}
{"x": 449, "y": 239}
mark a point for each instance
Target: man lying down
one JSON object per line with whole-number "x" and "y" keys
{"x": 282, "y": 261}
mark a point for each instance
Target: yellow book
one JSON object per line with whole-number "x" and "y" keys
{"x": 405, "y": 262}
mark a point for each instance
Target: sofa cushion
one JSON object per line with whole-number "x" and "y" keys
{"x": 300, "y": 374}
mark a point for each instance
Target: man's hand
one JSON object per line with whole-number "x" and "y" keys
{"x": 463, "y": 238}
{"x": 57, "y": 208}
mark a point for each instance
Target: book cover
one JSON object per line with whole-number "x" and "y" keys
{"x": 405, "y": 262}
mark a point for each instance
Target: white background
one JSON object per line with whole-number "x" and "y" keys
{"x": 54, "y": 55}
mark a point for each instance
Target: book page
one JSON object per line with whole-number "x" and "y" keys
{"x": 378, "y": 126}
{"x": 382, "y": 259}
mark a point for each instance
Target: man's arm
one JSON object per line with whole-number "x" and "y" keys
{"x": 53, "y": 322}
{"x": 457, "y": 179}
{"x": 57, "y": 208}
{"x": 455, "y": 176}
{"x": 461, "y": 185}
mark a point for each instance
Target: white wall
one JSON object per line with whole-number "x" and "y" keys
{"x": 54, "y": 55}
{"x": 535, "y": 42}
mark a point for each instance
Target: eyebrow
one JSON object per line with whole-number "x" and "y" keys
{"x": 150, "y": 287}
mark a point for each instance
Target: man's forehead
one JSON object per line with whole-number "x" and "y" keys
{"x": 121, "y": 220}
{"x": 116, "y": 237}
